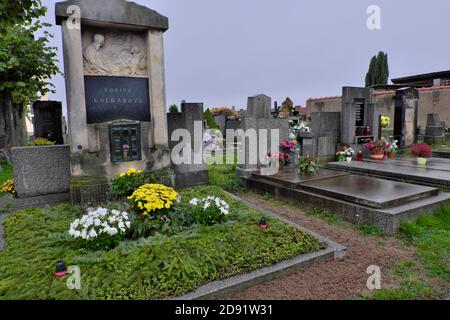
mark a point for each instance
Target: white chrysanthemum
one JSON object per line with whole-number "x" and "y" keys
{"x": 194, "y": 201}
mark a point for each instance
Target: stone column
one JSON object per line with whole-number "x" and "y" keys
{"x": 74, "y": 76}
{"x": 157, "y": 87}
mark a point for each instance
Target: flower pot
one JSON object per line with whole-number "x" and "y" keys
{"x": 421, "y": 161}
{"x": 377, "y": 156}
{"x": 349, "y": 159}
{"x": 125, "y": 153}
{"x": 392, "y": 154}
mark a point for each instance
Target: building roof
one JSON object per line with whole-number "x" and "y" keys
{"x": 422, "y": 77}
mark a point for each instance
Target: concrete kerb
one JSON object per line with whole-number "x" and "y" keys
{"x": 240, "y": 282}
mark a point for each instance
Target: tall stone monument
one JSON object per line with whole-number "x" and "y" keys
{"x": 115, "y": 84}
{"x": 406, "y": 115}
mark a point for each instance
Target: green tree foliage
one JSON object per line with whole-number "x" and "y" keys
{"x": 173, "y": 109}
{"x": 19, "y": 12}
{"x": 378, "y": 70}
{"x": 211, "y": 123}
{"x": 26, "y": 62}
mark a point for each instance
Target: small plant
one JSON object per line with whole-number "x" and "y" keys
{"x": 209, "y": 211}
{"x": 422, "y": 150}
{"x": 126, "y": 183}
{"x": 40, "y": 142}
{"x": 100, "y": 229}
{"x": 308, "y": 166}
{"x": 153, "y": 200}
{"x": 370, "y": 230}
{"x": 281, "y": 157}
{"x": 8, "y": 187}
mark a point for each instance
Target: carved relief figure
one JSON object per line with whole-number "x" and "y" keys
{"x": 114, "y": 54}
{"x": 93, "y": 59}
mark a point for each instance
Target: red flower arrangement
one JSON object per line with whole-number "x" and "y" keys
{"x": 378, "y": 147}
{"x": 422, "y": 150}
{"x": 287, "y": 146}
{"x": 283, "y": 157}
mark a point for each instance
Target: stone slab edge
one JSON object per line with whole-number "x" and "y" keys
{"x": 240, "y": 282}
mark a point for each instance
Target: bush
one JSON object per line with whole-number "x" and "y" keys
{"x": 153, "y": 200}
{"x": 209, "y": 118}
{"x": 8, "y": 187}
{"x": 100, "y": 229}
{"x": 39, "y": 142}
{"x": 209, "y": 211}
{"x": 126, "y": 183}
{"x": 173, "y": 108}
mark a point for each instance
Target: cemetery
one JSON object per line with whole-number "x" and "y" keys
{"x": 104, "y": 191}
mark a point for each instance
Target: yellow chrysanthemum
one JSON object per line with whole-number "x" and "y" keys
{"x": 150, "y": 198}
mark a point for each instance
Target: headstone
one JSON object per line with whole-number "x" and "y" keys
{"x": 190, "y": 118}
{"x": 115, "y": 78}
{"x": 406, "y": 114}
{"x": 359, "y": 112}
{"x": 326, "y": 128}
{"x": 259, "y": 106}
{"x": 258, "y": 117}
{"x": 47, "y": 120}
{"x": 435, "y": 132}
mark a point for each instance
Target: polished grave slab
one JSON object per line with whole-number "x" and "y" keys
{"x": 360, "y": 199}
{"x": 371, "y": 192}
{"x": 435, "y": 173}
{"x": 289, "y": 176}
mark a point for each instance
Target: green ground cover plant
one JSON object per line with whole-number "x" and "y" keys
{"x": 156, "y": 267}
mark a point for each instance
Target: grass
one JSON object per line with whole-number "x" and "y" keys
{"x": 154, "y": 268}
{"x": 6, "y": 174}
{"x": 444, "y": 146}
{"x": 411, "y": 286}
{"x": 223, "y": 175}
{"x": 370, "y": 230}
{"x": 325, "y": 215}
{"x": 430, "y": 235}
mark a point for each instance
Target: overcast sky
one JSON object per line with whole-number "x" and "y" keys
{"x": 221, "y": 51}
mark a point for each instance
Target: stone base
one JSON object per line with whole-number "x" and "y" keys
{"x": 386, "y": 219}
{"x": 433, "y": 140}
{"x": 91, "y": 164}
{"x": 245, "y": 173}
{"x": 10, "y": 204}
{"x": 190, "y": 179}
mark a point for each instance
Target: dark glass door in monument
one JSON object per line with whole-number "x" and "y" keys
{"x": 125, "y": 143}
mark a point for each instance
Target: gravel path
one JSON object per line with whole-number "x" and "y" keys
{"x": 329, "y": 279}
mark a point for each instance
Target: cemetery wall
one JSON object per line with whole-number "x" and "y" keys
{"x": 431, "y": 100}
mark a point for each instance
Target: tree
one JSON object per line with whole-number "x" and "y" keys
{"x": 209, "y": 118}
{"x": 26, "y": 65}
{"x": 378, "y": 70}
{"x": 287, "y": 105}
{"x": 173, "y": 109}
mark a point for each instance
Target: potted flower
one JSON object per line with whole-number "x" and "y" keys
{"x": 392, "y": 149}
{"x": 377, "y": 149}
{"x": 422, "y": 151}
{"x": 308, "y": 166}
{"x": 287, "y": 148}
